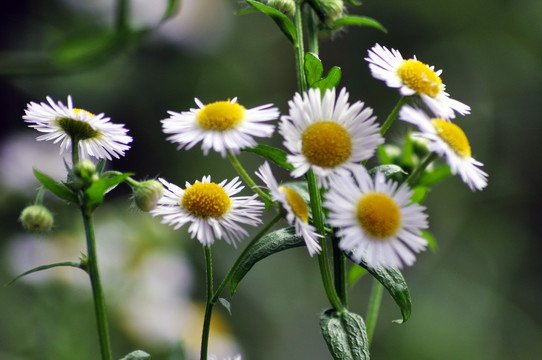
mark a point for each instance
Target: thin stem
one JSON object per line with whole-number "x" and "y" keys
{"x": 323, "y": 261}
{"x": 97, "y": 292}
{"x": 410, "y": 180}
{"x": 313, "y": 33}
{"x": 374, "y": 309}
{"x": 39, "y": 196}
{"x": 248, "y": 180}
{"x": 299, "y": 49}
{"x": 75, "y": 151}
{"x": 393, "y": 115}
{"x": 209, "y": 305}
{"x": 230, "y": 273}
{"x": 339, "y": 270}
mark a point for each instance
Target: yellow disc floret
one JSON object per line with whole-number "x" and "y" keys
{"x": 419, "y": 77}
{"x": 296, "y": 202}
{"x": 379, "y": 215}
{"x": 220, "y": 115}
{"x": 326, "y": 144}
{"x": 453, "y": 136}
{"x": 206, "y": 200}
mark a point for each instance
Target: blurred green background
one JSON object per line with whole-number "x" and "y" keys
{"x": 477, "y": 297}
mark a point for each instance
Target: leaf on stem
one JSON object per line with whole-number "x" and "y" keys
{"x": 137, "y": 355}
{"x": 284, "y": 23}
{"x": 277, "y": 156}
{"x": 356, "y": 20}
{"x": 269, "y": 244}
{"x": 345, "y": 335}
{"x": 172, "y": 9}
{"x": 60, "y": 190}
{"x": 313, "y": 68}
{"x": 96, "y": 192}
{"x": 431, "y": 240}
{"x": 45, "y": 267}
{"x": 331, "y": 80}
{"x": 434, "y": 176}
{"x": 390, "y": 171}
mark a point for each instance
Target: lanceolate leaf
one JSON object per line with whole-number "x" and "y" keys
{"x": 269, "y": 244}
{"x": 390, "y": 171}
{"x": 284, "y": 23}
{"x": 277, "y": 156}
{"x": 394, "y": 282}
{"x": 349, "y": 20}
{"x": 331, "y": 80}
{"x": 95, "y": 193}
{"x": 56, "y": 188}
{"x": 313, "y": 68}
{"x": 345, "y": 335}
{"x": 46, "y": 267}
{"x": 173, "y": 7}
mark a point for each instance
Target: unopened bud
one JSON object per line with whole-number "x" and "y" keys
{"x": 36, "y": 218}
{"x": 286, "y": 7}
{"x": 147, "y": 193}
{"x": 332, "y": 9}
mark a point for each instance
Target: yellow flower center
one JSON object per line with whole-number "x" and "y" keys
{"x": 206, "y": 200}
{"x": 379, "y": 215}
{"x": 326, "y": 144}
{"x": 453, "y": 136}
{"x": 296, "y": 202}
{"x": 77, "y": 129}
{"x": 419, "y": 77}
{"x": 220, "y": 115}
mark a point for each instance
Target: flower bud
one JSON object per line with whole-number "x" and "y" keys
{"x": 36, "y": 218}
{"x": 332, "y": 9}
{"x": 286, "y": 7}
{"x": 147, "y": 193}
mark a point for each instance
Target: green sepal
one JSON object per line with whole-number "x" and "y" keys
{"x": 46, "y": 267}
{"x": 96, "y": 192}
{"x": 431, "y": 240}
{"x": 419, "y": 194}
{"x": 284, "y": 23}
{"x": 269, "y": 244}
{"x": 394, "y": 282}
{"x": 226, "y": 304}
{"x": 60, "y": 190}
{"x": 172, "y": 8}
{"x": 434, "y": 176}
{"x": 331, "y": 80}
{"x": 345, "y": 335}
{"x": 356, "y": 20}
{"x": 137, "y": 355}
{"x": 276, "y": 155}
{"x": 313, "y": 68}
{"x": 390, "y": 171}
{"x": 355, "y": 273}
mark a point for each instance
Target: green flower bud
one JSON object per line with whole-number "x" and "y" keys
{"x": 36, "y": 218}
{"x": 147, "y": 193}
{"x": 332, "y": 9}
{"x": 286, "y": 7}
{"x": 85, "y": 174}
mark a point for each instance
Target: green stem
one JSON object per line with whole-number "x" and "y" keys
{"x": 299, "y": 49}
{"x": 339, "y": 270}
{"x": 323, "y": 261}
{"x": 393, "y": 115}
{"x": 97, "y": 292}
{"x": 209, "y": 305}
{"x": 75, "y": 151}
{"x": 313, "y": 33}
{"x": 410, "y": 180}
{"x": 374, "y": 308}
{"x": 248, "y": 180}
{"x": 39, "y": 196}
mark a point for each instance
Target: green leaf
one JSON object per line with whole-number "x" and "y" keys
{"x": 96, "y": 192}
{"x": 420, "y": 192}
{"x": 284, "y": 23}
{"x": 277, "y": 156}
{"x": 226, "y": 304}
{"x": 390, "y": 171}
{"x": 56, "y": 188}
{"x": 438, "y": 174}
{"x": 137, "y": 355}
{"x": 331, "y": 80}
{"x": 100, "y": 166}
{"x": 431, "y": 240}
{"x": 355, "y": 273}
{"x": 45, "y": 267}
{"x": 394, "y": 282}
{"x": 356, "y": 20}
{"x": 313, "y": 68}
{"x": 354, "y": 2}
{"x": 345, "y": 335}
{"x": 172, "y": 9}
{"x": 269, "y": 244}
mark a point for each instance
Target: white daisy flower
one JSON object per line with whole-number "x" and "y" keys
{"x": 412, "y": 77}
{"x": 330, "y": 137}
{"x": 448, "y": 140}
{"x": 211, "y": 209}
{"x": 297, "y": 212}
{"x": 95, "y": 134}
{"x": 221, "y": 126}
{"x": 377, "y": 221}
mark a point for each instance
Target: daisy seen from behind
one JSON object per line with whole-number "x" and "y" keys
{"x": 413, "y": 77}
{"x": 378, "y": 223}
{"x": 95, "y": 135}
{"x": 327, "y": 134}
{"x": 297, "y": 212}
{"x": 211, "y": 209}
{"x": 448, "y": 140}
{"x": 220, "y": 126}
